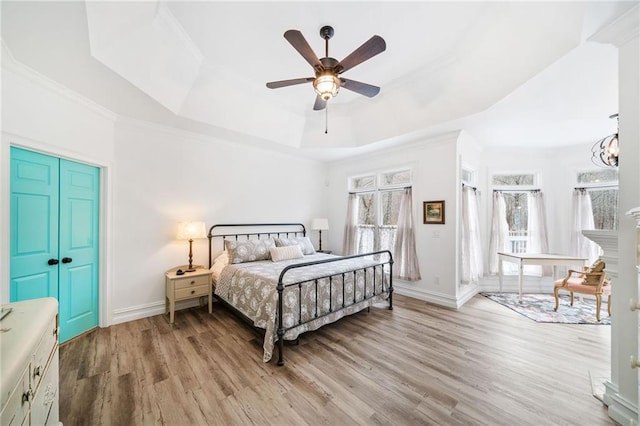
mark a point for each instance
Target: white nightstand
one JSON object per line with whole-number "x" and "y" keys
{"x": 191, "y": 285}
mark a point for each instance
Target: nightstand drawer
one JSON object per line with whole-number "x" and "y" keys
{"x": 188, "y": 282}
{"x": 202, "y": 290}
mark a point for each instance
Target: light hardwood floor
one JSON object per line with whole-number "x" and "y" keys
{"x": 418, "y": 364}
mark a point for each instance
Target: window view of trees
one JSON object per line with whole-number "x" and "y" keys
{"x": 517, "y": 208}
{"x": 602, "y": 186}
{"x": 605, "y": 208}
{"x": 378, "y": 209}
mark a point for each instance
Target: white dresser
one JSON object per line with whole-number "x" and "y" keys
{"x": 29, "y": 363}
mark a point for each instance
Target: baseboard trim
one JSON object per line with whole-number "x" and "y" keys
{"x": 431, "y": 297}
{"x": 148, "y": 310}
{"x": 620, "y": 409}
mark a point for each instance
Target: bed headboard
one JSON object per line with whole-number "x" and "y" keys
{"x": 253, "y": 230}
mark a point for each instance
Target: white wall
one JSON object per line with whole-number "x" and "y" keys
{"x": 434, "y": 165}
{"x": 163, "y": 177}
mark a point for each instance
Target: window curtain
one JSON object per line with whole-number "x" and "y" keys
{"x": 499, "y": 232}
{"x": 405, "y": 259}
{"x": 537, "y": 241}
{"x": 350, "y": 241}
{"x": 472, "y": 266}
{"x": 581, "y": 246}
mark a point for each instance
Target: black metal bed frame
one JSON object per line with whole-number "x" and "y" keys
{"x": 384, "y": 258}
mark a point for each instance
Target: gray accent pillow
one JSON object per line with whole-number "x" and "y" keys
{"x": 249, "y": 250}
{"x": 303, "y": 242}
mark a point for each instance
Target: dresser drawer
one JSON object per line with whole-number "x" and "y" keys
{"x": 43, "y": 354}
{"x": 186, "y": 293}
{"x": 188, "y": 282}
{"x": 14, "y": 412}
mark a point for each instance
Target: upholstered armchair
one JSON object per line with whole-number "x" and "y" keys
{"x": 591, "y": 280}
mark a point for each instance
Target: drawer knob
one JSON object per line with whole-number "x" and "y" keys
{"x": 27, "y": 396}
{"x": 193, "y": 282}
{"x": 193, "y": 291}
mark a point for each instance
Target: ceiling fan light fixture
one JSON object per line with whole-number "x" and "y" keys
{"x": 326, "y": 85}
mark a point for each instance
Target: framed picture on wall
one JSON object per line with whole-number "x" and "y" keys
{"x": 433, "y": 212}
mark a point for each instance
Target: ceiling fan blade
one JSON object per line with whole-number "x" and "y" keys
{"x": 299, "y": 43}
{"x": 358, "y": 87}
{"x": 285, "y": 83}
{"x": 320, "y": 104}
{"x": 368, "y": 50}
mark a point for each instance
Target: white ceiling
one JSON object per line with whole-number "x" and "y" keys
{"x": 509, "y": 73}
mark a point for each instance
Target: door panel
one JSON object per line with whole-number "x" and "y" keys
{"x": 79, "y": 228}
{"x": 34, "y": 225}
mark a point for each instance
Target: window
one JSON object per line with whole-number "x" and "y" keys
{"x": 517, "y": 208}
{"x": 602, "y": 187}
{"x": 379, "y": 198}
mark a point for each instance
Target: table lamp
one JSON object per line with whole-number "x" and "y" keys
{"x": 320, "y": 224}
{"x": 190, "y": 231}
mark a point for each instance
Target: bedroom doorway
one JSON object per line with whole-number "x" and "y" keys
{"x": 54, "y": 236}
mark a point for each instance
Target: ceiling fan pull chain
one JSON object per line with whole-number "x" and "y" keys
{"x": 326, "y": 120}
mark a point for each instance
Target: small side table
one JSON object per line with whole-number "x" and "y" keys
{"x": 190, "y": 285}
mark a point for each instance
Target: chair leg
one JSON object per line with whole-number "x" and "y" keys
{"x": 571, "y": 298}
{"x": 555, "y": 293}
{"x": 609, "y": 305}
{"x": 598, "y": 305}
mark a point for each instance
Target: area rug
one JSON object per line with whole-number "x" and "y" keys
{"x": 539, "y": 307}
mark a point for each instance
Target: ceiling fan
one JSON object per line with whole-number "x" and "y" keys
{"x": 327, "y": 80}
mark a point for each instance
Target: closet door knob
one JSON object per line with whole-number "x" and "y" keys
{"x": 67, "y": 260}
{"x": 633, "y": 305}
{"x": 53, "y": 262}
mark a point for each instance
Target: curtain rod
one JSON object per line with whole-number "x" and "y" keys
{"x": 596, "y": 187}
{"x": 516, "y": 190}
{"x": 379, "y": 190}
{"x": 469, "y": 186}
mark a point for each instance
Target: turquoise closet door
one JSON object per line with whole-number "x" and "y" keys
{"x": 34, "y": 225}
{"x": 68, "y": 211}
{"x": 79, "y": 230}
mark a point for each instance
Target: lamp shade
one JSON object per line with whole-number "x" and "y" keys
{"x": 320, "y": 224}
{"x": 191, "y": 230}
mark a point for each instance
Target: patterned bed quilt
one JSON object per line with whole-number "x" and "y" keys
{"x": 251, "y": 288}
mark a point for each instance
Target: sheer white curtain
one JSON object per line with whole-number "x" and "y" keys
{"x": 499, "y": 232}
{"x": 350, "y": 241}
{"x": 581, "y": 246}
{"x": 537, "y": 241}
{"x": 472, "y": 266}
{"x": 405, "y": 259}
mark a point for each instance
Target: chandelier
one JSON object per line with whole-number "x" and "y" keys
{"x": 604, "y": 153}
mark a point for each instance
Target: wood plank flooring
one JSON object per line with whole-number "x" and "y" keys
{"x": 418, "y": 364}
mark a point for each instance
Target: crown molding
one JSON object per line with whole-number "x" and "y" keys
{"x": 620, "y": 31}
{"x": 11, "y": 64}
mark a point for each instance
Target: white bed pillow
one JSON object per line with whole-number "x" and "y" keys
{"x": 285, "y": 253}
{"x": 218, "y": 264}
{"x": 304, "y": 243}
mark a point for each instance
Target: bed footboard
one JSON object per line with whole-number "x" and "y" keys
{"x": 348, "y": 292}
